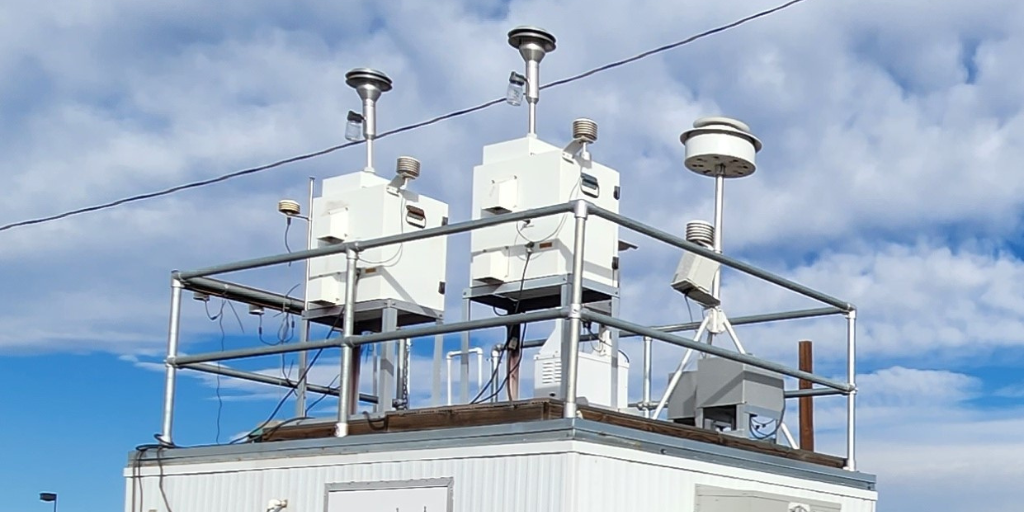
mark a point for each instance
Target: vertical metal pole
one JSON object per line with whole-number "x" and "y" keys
{"x": 369, "y": 129}
{"x": 300, "y": 392}
{"x": 495, "y": 354}
{"x": 479, "y": 369}
{"x": 386, "y": 393}
{"x": 716, "y": 287}
{"x": 532, "y": 128}
{"x": 376, "y": 376}
{"x": 171, "y": 372}
{"x": 851, "y": 375}
{"x": 646, "y": 400}
{"x": 806, "y": 403}
{"x": 448, "y": 372}
{"x": 575, "y": 307}
{"x": 514, "y": 359}
{"x": 435, "y": 390}
{"x": 349, "y": 325}
{"x": 617, "y": 401}
{"x": 401, "y": 388}
{"x": 464, "y": 357}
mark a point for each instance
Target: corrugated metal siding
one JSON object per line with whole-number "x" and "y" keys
{"x": 565, "y": 476}
{"x": 500, "y": 484}
{"x": 612, "y": 484}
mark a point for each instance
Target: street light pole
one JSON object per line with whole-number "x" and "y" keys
{"x": 48, "y": 497}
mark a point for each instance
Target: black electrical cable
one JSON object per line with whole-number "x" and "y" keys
{"x": 522, "y": 336}
{"x": 137, "y": 469}
{"x": 322, "y": 396}
{"x": 438, "y": 119}
{"x": 291, "y": 391}
{"x": 280, "y": 403}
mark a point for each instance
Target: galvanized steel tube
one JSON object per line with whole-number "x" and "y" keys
{"x": 646, "y": 400}
{"x": 575, "y": 310}
{"x": 851, "y": 398}
{"x": 362, "y": 245}
{"x": 345, "y": 375}
{"x": 170, "y": 378}
{"x": 713, "y": 350}
{"x": 746, "y": 268}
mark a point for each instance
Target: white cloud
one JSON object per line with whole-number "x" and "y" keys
{"x": 891, "y": 133}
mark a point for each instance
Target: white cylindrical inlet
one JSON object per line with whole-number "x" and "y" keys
{"x": 408, "y": 167}
{"x": 720, "y": 146}
{"x": 585, "y": 130}
{"x": 700, "y": 232}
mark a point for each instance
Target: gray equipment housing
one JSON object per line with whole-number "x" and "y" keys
{"x": 731, "y": 397}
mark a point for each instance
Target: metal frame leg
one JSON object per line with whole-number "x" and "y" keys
{"x": 467, "y": 307}
{"x": 402, "y": 375}
{"x": 569, "y": 373}
{"x": 851, "y": 399}
{"x": 646, "y": 398}
{"x": 171, "y": 372}
{"x": 495, "y": 368}
{"x": 345, "y": 377}
{"x": 615, "y": 358}
{"x": 300, "y": 391}
{"x": 387, "y": 372}
{"x": 435, "y": 389}
{"x": 514, "y": 349}
{"x": 674, "y": 381}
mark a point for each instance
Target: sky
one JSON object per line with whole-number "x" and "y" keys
{"x": 891, "y": 131}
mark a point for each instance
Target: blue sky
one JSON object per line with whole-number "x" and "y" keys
{"x": 892, "y": 133}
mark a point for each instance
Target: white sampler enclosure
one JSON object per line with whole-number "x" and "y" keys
{"x": 557, "y": 465}
{"x": 528, "y": 173}
{"x": 364, "y": 206}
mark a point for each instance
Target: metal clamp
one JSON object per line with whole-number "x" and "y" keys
{"x": 575, "y": 312}
{"x": 580, "y": 209}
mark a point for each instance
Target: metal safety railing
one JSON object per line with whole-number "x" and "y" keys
{"x": 573, "y": 311}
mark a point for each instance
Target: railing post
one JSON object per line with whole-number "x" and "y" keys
{"x": 349, "y": 322}
{"x": 575, "y": 308}
{"x": 166, "y": 436}
{"x": 851, "y": 398}
{"x": 806, "y": 360}
{"x": 646, "y": 400}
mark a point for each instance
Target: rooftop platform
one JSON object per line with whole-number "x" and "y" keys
{"x": 525, "y": 422}
{"x": 439, "y": 420}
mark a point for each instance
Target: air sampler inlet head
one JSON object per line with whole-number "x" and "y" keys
{"x": 720, "y": 146}
{"x": 408, "y": 167}
{"x": 368, "y": 83}
{"x": 584, "y": 130}
{"x": 533, "y": 43}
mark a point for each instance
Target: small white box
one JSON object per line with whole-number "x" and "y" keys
{"x": 593, "y": 382}
{"x": 695, "y": 277}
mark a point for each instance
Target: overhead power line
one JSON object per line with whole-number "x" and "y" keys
{"x": 421, "y": 124}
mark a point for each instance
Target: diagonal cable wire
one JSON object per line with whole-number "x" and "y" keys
{"x": 414, "y": 126}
